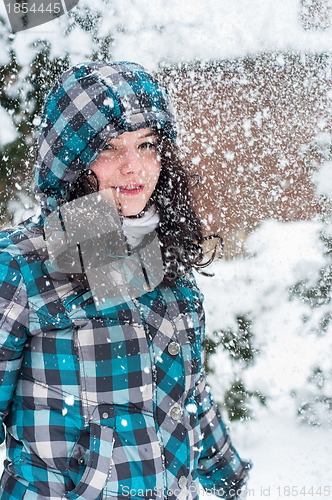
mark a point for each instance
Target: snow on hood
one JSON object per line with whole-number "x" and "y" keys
{"x": 91, "y": 103}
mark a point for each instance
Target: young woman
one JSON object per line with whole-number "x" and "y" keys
{"x": 105, "y": 399}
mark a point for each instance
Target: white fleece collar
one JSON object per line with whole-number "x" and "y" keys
{"x": 135, "y": 229}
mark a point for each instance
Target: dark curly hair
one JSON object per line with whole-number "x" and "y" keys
{"x": 179, "y": 230}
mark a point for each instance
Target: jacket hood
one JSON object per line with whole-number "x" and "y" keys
{"x": 91, "y": 103}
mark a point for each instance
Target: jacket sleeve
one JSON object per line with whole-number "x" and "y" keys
{"x": 13, "y": 328}
{"x": 220, "y": 469}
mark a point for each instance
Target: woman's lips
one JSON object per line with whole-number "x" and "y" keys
{"x": 129, "y": 190}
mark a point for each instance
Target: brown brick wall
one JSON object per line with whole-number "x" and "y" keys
{"x": 249, "y": 126}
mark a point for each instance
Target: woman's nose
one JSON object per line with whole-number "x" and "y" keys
{"x": 131, "y": 162}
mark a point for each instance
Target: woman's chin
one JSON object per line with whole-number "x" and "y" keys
{"x": 130, "y": 209}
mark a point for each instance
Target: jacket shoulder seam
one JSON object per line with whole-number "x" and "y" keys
{"x": 21, "y": 284}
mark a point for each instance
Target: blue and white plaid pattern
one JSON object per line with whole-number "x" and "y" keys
{"x": 88, "y": 396}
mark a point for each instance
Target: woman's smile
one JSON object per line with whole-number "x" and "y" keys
{"x": 129, "y": 190}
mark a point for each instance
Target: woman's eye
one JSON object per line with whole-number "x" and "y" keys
{"x": 108, "y": 147}
{"x": 148, "y": 145}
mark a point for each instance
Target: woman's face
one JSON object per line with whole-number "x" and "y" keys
{"x": 129, "y": 166}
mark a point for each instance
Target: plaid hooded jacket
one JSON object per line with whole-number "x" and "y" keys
{"x": 112, "y": 403}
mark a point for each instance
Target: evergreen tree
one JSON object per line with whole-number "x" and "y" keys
{"x": 315, "y": 402}
{"x": 239, "y": 343}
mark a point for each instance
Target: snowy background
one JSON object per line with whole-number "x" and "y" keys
{"x": 285, "y": 450}
{"x": 154, "y": 32}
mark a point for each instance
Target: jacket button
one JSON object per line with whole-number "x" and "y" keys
{"x": 147, "y": 287}
{"x": 176, "y": 412}
{"x": 105, "y": 415}
{"x": 81, "y": 461}
{"x": 182, "y": 482}
{"x": 173, "y": 348}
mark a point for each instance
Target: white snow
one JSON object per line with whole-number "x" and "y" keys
{"x": 7, "y": 129}
{"x": 191, "y": 408}
{"x": 152, "y": 33}
{"x": 69, "y": 400}
{"x": 21, "y": 207}
{"x": 323, "y": 179}
{"x": 211, "y": 29}
{"x": 285, "y": 455}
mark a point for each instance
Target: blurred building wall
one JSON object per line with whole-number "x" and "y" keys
{"x": 253, "y": 129}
